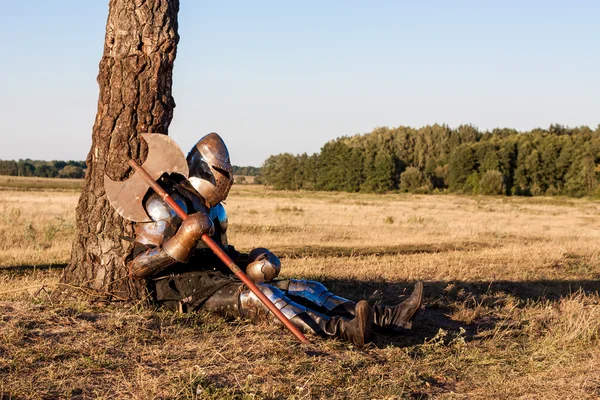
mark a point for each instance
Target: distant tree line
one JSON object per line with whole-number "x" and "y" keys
{"x": 74, "y": 169}
{"x": 557, "y": 160}
{"x": 248, "y": 171}
{"x": 45, "y": 169}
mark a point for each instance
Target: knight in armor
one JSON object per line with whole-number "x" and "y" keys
{"x": 185, "y": 275}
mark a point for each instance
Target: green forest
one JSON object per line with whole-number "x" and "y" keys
{"x": 44, "y": 169}
{"x": 248, "y": 171}
{"x": 72, "y": 169}
{"x": 437, "y": 158}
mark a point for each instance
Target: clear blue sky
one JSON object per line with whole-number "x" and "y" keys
{"x": 282, "y": 76}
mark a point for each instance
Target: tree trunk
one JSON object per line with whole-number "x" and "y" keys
{"x": 135, "y": 80}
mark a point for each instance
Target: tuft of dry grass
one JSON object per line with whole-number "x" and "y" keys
{"x": 36, "y": 228}
{"x": 511, "y": 286}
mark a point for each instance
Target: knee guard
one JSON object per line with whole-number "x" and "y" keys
{"x": 251, "y": 306}
{"x": 264, "y": 266}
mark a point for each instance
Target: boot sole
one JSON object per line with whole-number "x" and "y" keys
{"x": 364, "y": 315}
{"x": 419, "y": 290}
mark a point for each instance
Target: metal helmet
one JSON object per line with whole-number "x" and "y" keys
{"x": 211, "y": 173}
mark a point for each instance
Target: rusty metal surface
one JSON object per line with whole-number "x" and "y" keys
{"x": 164, "y": 156}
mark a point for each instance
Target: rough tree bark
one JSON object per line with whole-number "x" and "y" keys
{"x": 135, "y": 80}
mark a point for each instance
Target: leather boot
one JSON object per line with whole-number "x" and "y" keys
{"x": 357, "y": 330}
{"x": 400, "y": 317}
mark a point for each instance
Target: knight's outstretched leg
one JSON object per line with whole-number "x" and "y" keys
{"x": 237, "y": 301}
{"x": 392, "y": 318}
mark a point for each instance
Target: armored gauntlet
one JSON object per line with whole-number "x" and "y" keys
{"x": 183, "y": 243}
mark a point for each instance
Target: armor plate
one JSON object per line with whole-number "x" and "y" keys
{"x": 165, "y": 222}
{"x": 158, "y": 210}
{"x": 218, "y": 212}
{"x": 219, "y": 217}
{"x": 150, "y": 263}
{"x": 264, "y": 266}
{"x": 253, "y": 308}
{"x": 153, "y": 233}
{"x": 316, "y": 293}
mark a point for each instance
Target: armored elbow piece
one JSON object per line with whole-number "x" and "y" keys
{"x": 183, "y": 243}
{"x": 264, "y": 266}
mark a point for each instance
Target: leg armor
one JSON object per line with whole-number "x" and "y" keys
{"x": 317, "y": 293}
{"x": 237, "y": 301}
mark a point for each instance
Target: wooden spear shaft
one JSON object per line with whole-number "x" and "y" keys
{"x": 221, "y": 254}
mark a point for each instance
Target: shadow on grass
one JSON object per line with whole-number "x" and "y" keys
{"x": 406, "y": 249}
{"x": 441, "y": 299}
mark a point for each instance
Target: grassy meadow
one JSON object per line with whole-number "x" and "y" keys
{"x": 512, "y": 304}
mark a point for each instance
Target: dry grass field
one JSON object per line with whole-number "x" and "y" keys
{"x": 39, "y": 184}
{"x": 512, "y": 307}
